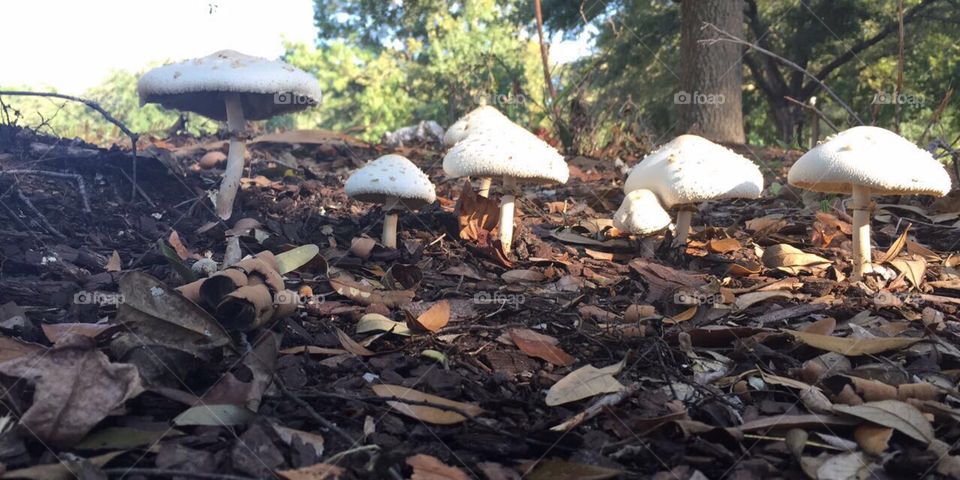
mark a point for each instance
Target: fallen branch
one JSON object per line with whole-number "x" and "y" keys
{"x": 81, "y": 186}
{"x": 96, "y": 107}
{"x": 727, "y": 37}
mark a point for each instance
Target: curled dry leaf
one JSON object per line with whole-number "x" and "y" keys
{"x": 852, "y": 346}
{"x": 791, "y": 259}
{"x": 540, "y": 346}
{"x": 76, "y": 387}
{"x": 351, "y": 345}
{"x": 435, "y": 318}
{"x": 723, "y": 245}
{"x": 426, "y": 467}
{"x": 522, "y": 276}
{"x": 362, "y": 246}
{"x": 436, "y": 415}
{"x": 873, "y": 439}
{"x": 374, "y": 322}
{"x": 585, "y": 382}
{"x": 319, "y": 471}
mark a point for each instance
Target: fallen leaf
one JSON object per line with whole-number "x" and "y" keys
{"x": 723, "y": 245}
{"x": 476, "y": 214}
{"x": 824, "y": 326}
{"x": 296, "y": 257}
{"x": 896, "y": 247}
{"x": 746, "y": 300}
{"x": 319, "y": 471}
{"x": 790, "y": 259}
{"x": 435, "y": 318}
{"x": 846, "y": 466}
{"x": 55, "y": 331}
{"x": 11, "y": 348}
{"x": 123, "y": 438}
{"x": 429, "y": 414}
{"x": 584, "y": 382}
{"x": 852, "y": 346}
{"x": 521, "y": 276}
{"x": 214, "y": 416}
{"x": 291, "y": 435}
{"x": 361, "y": 247}
{"x": 894, "y": 414}
{"x": 555, "y": 469}
{"x": 365, "y": 296}
{"x": 76, "y": 387}
{"x": 540, "y": 346}
{"x": 912, "y": 270}
{"x": 374, "y": 322}
{"x": 873, "y": 439}
{"x": 426, "y": 467}
{"x": 312, "y": 350}
{"x": 182, "y": 251}
{"x": 352, "y": 346}
{"x": 113, "y": 265}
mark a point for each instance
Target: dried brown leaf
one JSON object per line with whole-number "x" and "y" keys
{"x": 426, "y": 467}
{"x": 436, "y": 415}
{"x": 540, "y": 346}
{"x": 853, "y": 346}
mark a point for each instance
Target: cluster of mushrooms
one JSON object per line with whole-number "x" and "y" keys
{"x": 485, "y": 144}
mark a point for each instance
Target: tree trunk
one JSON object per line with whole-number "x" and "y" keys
{"x": 711, "y": 75}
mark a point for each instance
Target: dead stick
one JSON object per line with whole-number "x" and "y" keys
{"x": 81, "y": 186}
{"x": 544, "y": 56}
{"x": 96, "y": 107}
{"x": 40, "y": 217}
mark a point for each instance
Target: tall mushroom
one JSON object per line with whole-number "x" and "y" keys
{"x": 394, "y": 182}
{"x": 481, "y": 119}
{"x": 641, "y": 215}
{"x": 234, "y": 87}
{"x": 865, "y": 161}
{"x": 513, "y": 154}
{"x": 689, "y": 170}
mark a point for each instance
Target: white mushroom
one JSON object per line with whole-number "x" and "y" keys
{"x": 392, "y": 181}
{"x": 689, "y": 170}
{"x": 865, "y": 161}
{"x": 230, "y": 86}
{"x": 516, "y": 155}
{"x": 641, "y": 214}
{"x": 485, "y": 120}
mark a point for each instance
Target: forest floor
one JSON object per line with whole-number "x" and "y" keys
{"x": 746, "y": 354}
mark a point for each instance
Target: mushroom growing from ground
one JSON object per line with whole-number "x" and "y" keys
{"x": 234, "y": 87}
{"x": 481, "y": 119}
{"x": 514, "y": 154}
{"x": 640, "y": 214}
{"x": 394, "y": 182}
{"x": 865, "y": 161}
{"x": 691, "y": 169}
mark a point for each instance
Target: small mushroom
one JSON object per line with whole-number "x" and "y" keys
{"x": 515, "y": 155}
{"x": 641, "y": 215}
{"x": 484, "y": 119}
{"x": 394, "y": 182}
{"x": 689, "y": 170}
{"x": 230, "y": 86}
{"x": 865, "y": 161}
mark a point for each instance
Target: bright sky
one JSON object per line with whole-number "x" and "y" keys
{"x": 72, "y": 45}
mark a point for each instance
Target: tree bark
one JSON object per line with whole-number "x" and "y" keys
{"x": 711, "y": 76}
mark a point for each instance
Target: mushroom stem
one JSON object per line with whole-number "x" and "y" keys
{"x": 390, "y": 230}
{"x": 861, "y": 232}
{"x": 485, "y": 187}
{"x": 684, "y": 219}
{"x": 648, "y": 245}
{"x": 234, "y": 171}
{"x": 506, "y": 213}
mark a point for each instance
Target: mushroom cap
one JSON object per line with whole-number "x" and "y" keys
{"x": 481, "y": 118}
{"x": 266, "y": 87}
{"x": 506, "y": 152}
{"x": 391, "y": 176}
{"x": 691, "y": 169}
{"x": 641, "y": 213}
{"x": 873, "y": 157}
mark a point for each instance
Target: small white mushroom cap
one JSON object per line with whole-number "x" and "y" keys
{"x": 266, "y": 87}
{"x": 483, "y": 117}
{"x": 641, "y": 213}
{"x": 391, "y": 176}
{"x": 691, "y": 169}
{"x": 872, "y": 157}
{"x": 506, "y": 152}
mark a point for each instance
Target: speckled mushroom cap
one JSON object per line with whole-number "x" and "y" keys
{"x": 266, "y": 87}
{"x": 691, "y": 169}
{"x": 391, "y": 176}
{"x": 873, "y": 157}
{"x": 641, "y": 213}
{"x": 506, "y": 152}
{"x": 483, "y": 117}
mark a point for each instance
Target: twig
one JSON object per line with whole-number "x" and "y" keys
{"x": 94, "y": 106}
{"x": 167, "y": 473}
{"x": 81, "y": 186}
{"x": 544, "y": 56}
{"x": 40, "y": 217}
{"x": 727, "y": 37}
{"x": 313, "y": 413}
{"x": 899, "y": 87}
{"x": 333, "y": 459}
